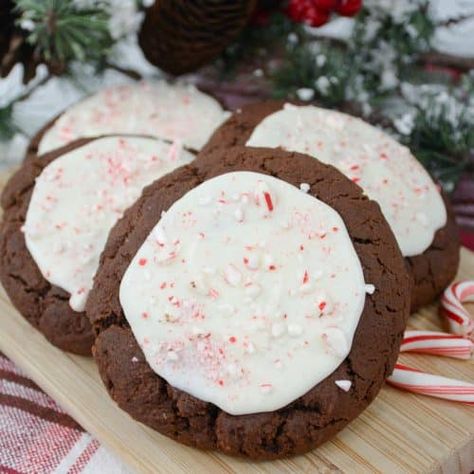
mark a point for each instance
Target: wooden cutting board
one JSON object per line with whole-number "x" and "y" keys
{"x": 399, "y": 432}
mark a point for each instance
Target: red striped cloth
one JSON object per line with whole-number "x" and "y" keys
{"x": 37, "y": 436}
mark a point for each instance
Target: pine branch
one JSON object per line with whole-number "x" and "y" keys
{"x": 61, "y": 32}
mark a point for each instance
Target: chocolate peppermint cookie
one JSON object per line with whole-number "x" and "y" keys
{"x": 418, "y": 213}
{"x": 252, "y": 302}
{"x": 174, "y": 112}
{"x": 58, "y": 211}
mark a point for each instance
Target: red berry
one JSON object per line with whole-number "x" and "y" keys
{"x": 318, "y": 17}
{"x": 306, "y": 11}
{"x": 349, "y": 7}
{"x": 327, "y": 5}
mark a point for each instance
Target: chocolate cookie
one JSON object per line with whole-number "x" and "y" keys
{"x": 57, "y": 213}
{"x": 174, "y": 112}
{"x": 128, "y": 295}
{"x": 342, "y": 140}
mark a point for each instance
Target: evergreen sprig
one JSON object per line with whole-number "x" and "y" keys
{"x": 443, "y": 143}
{"x": 254, "y": 42}
{"x": 61, "y": 32}
{"x": 367, "y": 73}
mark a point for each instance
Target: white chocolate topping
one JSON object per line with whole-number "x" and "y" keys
{"x": 80, "y": 196}
{"x": 246, "y": 294}
{"x": 383, "y": 168}
{"x": 158, "y": 109}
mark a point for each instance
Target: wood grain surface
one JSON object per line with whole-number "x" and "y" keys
{"x": 399, "y": 432}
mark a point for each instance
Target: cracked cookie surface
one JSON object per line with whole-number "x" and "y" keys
{"x": 321, "y": 412}
{"x": 431, "y": 271}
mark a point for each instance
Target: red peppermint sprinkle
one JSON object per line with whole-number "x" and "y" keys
{"x": 268, "y": 200}
{"x": 213, "y": 293}
{"x": 145, "y": 315}
{"x": 271, "y": 267}
{"x": 142, "y": 262}
{"x": 305, "y": 277}
{"x": 232, "y": 339}
{"x": 322, "y": 305}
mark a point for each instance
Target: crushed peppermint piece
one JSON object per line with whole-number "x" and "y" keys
{"x": 344, "y": 384}
{"x": 268, "y": 200}
{"x": 305, "y": 187}
{"x": 232, "y": 276}
{"x": 336, "y": 342}
{"x": 266, "y": 387}
{"x": 369, "y": 288}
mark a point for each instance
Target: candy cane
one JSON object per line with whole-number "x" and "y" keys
{"x": 454, "y": 296}
{"x": 437, "y": 343}
{"x": 417, "y": 381}
{"x": 458, "y": 345}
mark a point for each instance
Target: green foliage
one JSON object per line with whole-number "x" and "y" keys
{"x": 325, "y": 69}
{"x": 255, "y": 41}
{"x": 366, "y": 73}
{"x": 61, "y": 32}
{"x": 445, "y": 146}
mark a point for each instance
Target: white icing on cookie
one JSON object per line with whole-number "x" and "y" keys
{"x": 78, "y": 198}
{"x": 158, "y": 109}
{"x": 246, "y": 293}
{"x": 386, "y": 170}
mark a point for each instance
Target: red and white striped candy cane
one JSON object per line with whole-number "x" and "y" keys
{"x": 437, "y": 343}
{"x": 420, "y": 382}
{"x": 460, "y": 322}
{"x": 458, "y": 345}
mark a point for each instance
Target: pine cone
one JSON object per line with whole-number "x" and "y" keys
{"x": 180, "y": 36}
